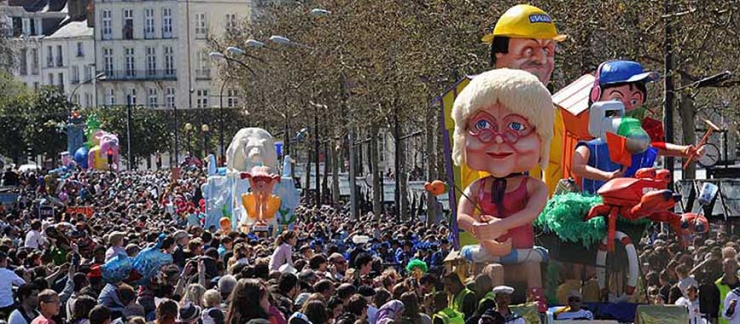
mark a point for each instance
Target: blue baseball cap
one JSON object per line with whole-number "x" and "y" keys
{"x": 621, "y": 71}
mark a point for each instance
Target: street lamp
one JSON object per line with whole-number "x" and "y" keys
{"x": 99, "y": 76}
{"x": 188, "y": 130}
{"x": 319, "y": 12}
{"x": 282, "y": 40}
{"x": 205, "y": 129}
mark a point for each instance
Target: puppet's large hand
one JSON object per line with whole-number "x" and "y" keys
{"x": 488, "y": 228}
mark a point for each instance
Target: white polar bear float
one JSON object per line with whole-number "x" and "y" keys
{"x": 250, "y": 147}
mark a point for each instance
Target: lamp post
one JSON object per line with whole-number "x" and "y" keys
{"x": 221, "y": 56}
{"x": 99, "y": 76}
{"x": 205, "y": 129}
{"x": 188, "y": 130}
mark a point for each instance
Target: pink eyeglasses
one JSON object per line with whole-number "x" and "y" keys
{"x": 485, "y": 128}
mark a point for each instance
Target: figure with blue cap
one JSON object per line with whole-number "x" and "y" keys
{"x": 624, "y": 82}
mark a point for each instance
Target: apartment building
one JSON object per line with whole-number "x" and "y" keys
{"x": 155, "y": 53}
{"x": 69, "y": 62}
{"x": 25, "y": 24}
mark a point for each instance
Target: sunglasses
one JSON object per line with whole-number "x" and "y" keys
{"x": 574, "y": 299}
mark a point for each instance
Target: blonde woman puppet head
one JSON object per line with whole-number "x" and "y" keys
{"x": 503, "y": 123}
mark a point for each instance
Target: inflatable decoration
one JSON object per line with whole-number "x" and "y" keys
{"x": 436, "y": 187}
{"x": 224, "y": 188}
{"x": 99, "y": 155}
{"x": 503, "y": 126}
{"x": 288, "y": 194}
{"x": 117, "y": 269}
{"x": 81, "y": 157}
{"x": 150, "y": 260}
{"x": 260, "y": 204}
{"x": 74, "y": 130}
{"x": 251, "y": 147}
{"x": 92, "y": 126}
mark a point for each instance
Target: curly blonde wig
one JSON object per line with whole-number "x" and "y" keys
{"x": 518, "y": 90}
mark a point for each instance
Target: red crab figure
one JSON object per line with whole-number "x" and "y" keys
{"x": 645, "y": 195}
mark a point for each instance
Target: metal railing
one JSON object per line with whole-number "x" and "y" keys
{"x": 129, "y": 75}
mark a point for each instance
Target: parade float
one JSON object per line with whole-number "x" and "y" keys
{"x": 603, "y": 190}
{"x": 100, "y": 152}
{"x": 250, "y": 193}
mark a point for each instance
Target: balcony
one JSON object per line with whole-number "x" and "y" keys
{"x": 202, "y": 74}
{"x": 140, "y": 75}
{"x": 49, "y": 62}
{"x": 60, "y": 62}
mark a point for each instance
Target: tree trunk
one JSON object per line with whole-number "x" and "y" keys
{"x": 307, "y": 189}
{"x": 430, "y": 131}
{"x": 335, "y": 172}
{"x": 328, "y": 165}
{"x": 688, "y": 124}
{"x": 376, "y": 173}
{"x": 403, "y": 202}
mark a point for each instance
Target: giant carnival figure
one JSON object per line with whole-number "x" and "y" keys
{"x": 503, "y": 126}
{"x": 525, "y": 38}
{"x": 249, "y": 194}
{"x": 625, "y": 82}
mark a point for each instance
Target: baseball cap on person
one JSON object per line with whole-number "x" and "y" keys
{"x": 622, "y": 71}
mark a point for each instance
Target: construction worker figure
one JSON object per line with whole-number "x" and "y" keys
{"x": 525, "y": 38}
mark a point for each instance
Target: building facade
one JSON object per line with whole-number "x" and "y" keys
{"x": 69, "y": 62}
{"x": 155, "y": 53}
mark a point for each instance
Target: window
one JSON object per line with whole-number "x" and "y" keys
{"x": 23, "y": 64}
{"x": 230, "y": 22}
{"x": 76, "y": 99}
{"x": 203, "y": 70}
{"x": 166, "y": 23}
{"x": 80, "y": 51}
{"x": 231, "y": 101}
{"x": 51, "y": 79}
{"x": 152, "y": 98}
{"x": 201, "y": 28}
{"x": 131, "y": 95}
{"x": 60, "y": 57}
{"x": 60, "y": 81}
{"x": 169, "y": 100}
{"x": 36, "y": 86}
{"x": 34, "y": 61}
{"x": 88, "y": 72}
{"x": 111, "y": 100}
{"x": 107, "y": 30}
{"x": 202, "y": 98}
{"x": 169, "y": 61}
{"x": 108, "y": 61}
{"x": 149, "y": 23}
{"x": 76, "y": 75}
{"x": 129, "y": 67}
{"x": 88, "y": 100}
{"x": 49, "y": 57}
{"x": 151, "y": 61}
{"x": 128, "y": 24}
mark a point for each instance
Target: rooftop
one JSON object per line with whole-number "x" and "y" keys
{"x": 73, "y": 29}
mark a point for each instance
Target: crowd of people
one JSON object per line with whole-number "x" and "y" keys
{"x": 328, "y": 269}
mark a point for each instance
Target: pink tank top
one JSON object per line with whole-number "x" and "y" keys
{"x": 522, "y": 237}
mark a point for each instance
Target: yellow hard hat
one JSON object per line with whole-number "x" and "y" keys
{"x": 525, "y": 21}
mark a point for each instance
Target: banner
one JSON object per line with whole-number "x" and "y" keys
{"x": 661, "y": 314}
{"x": 85, "y": 210}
